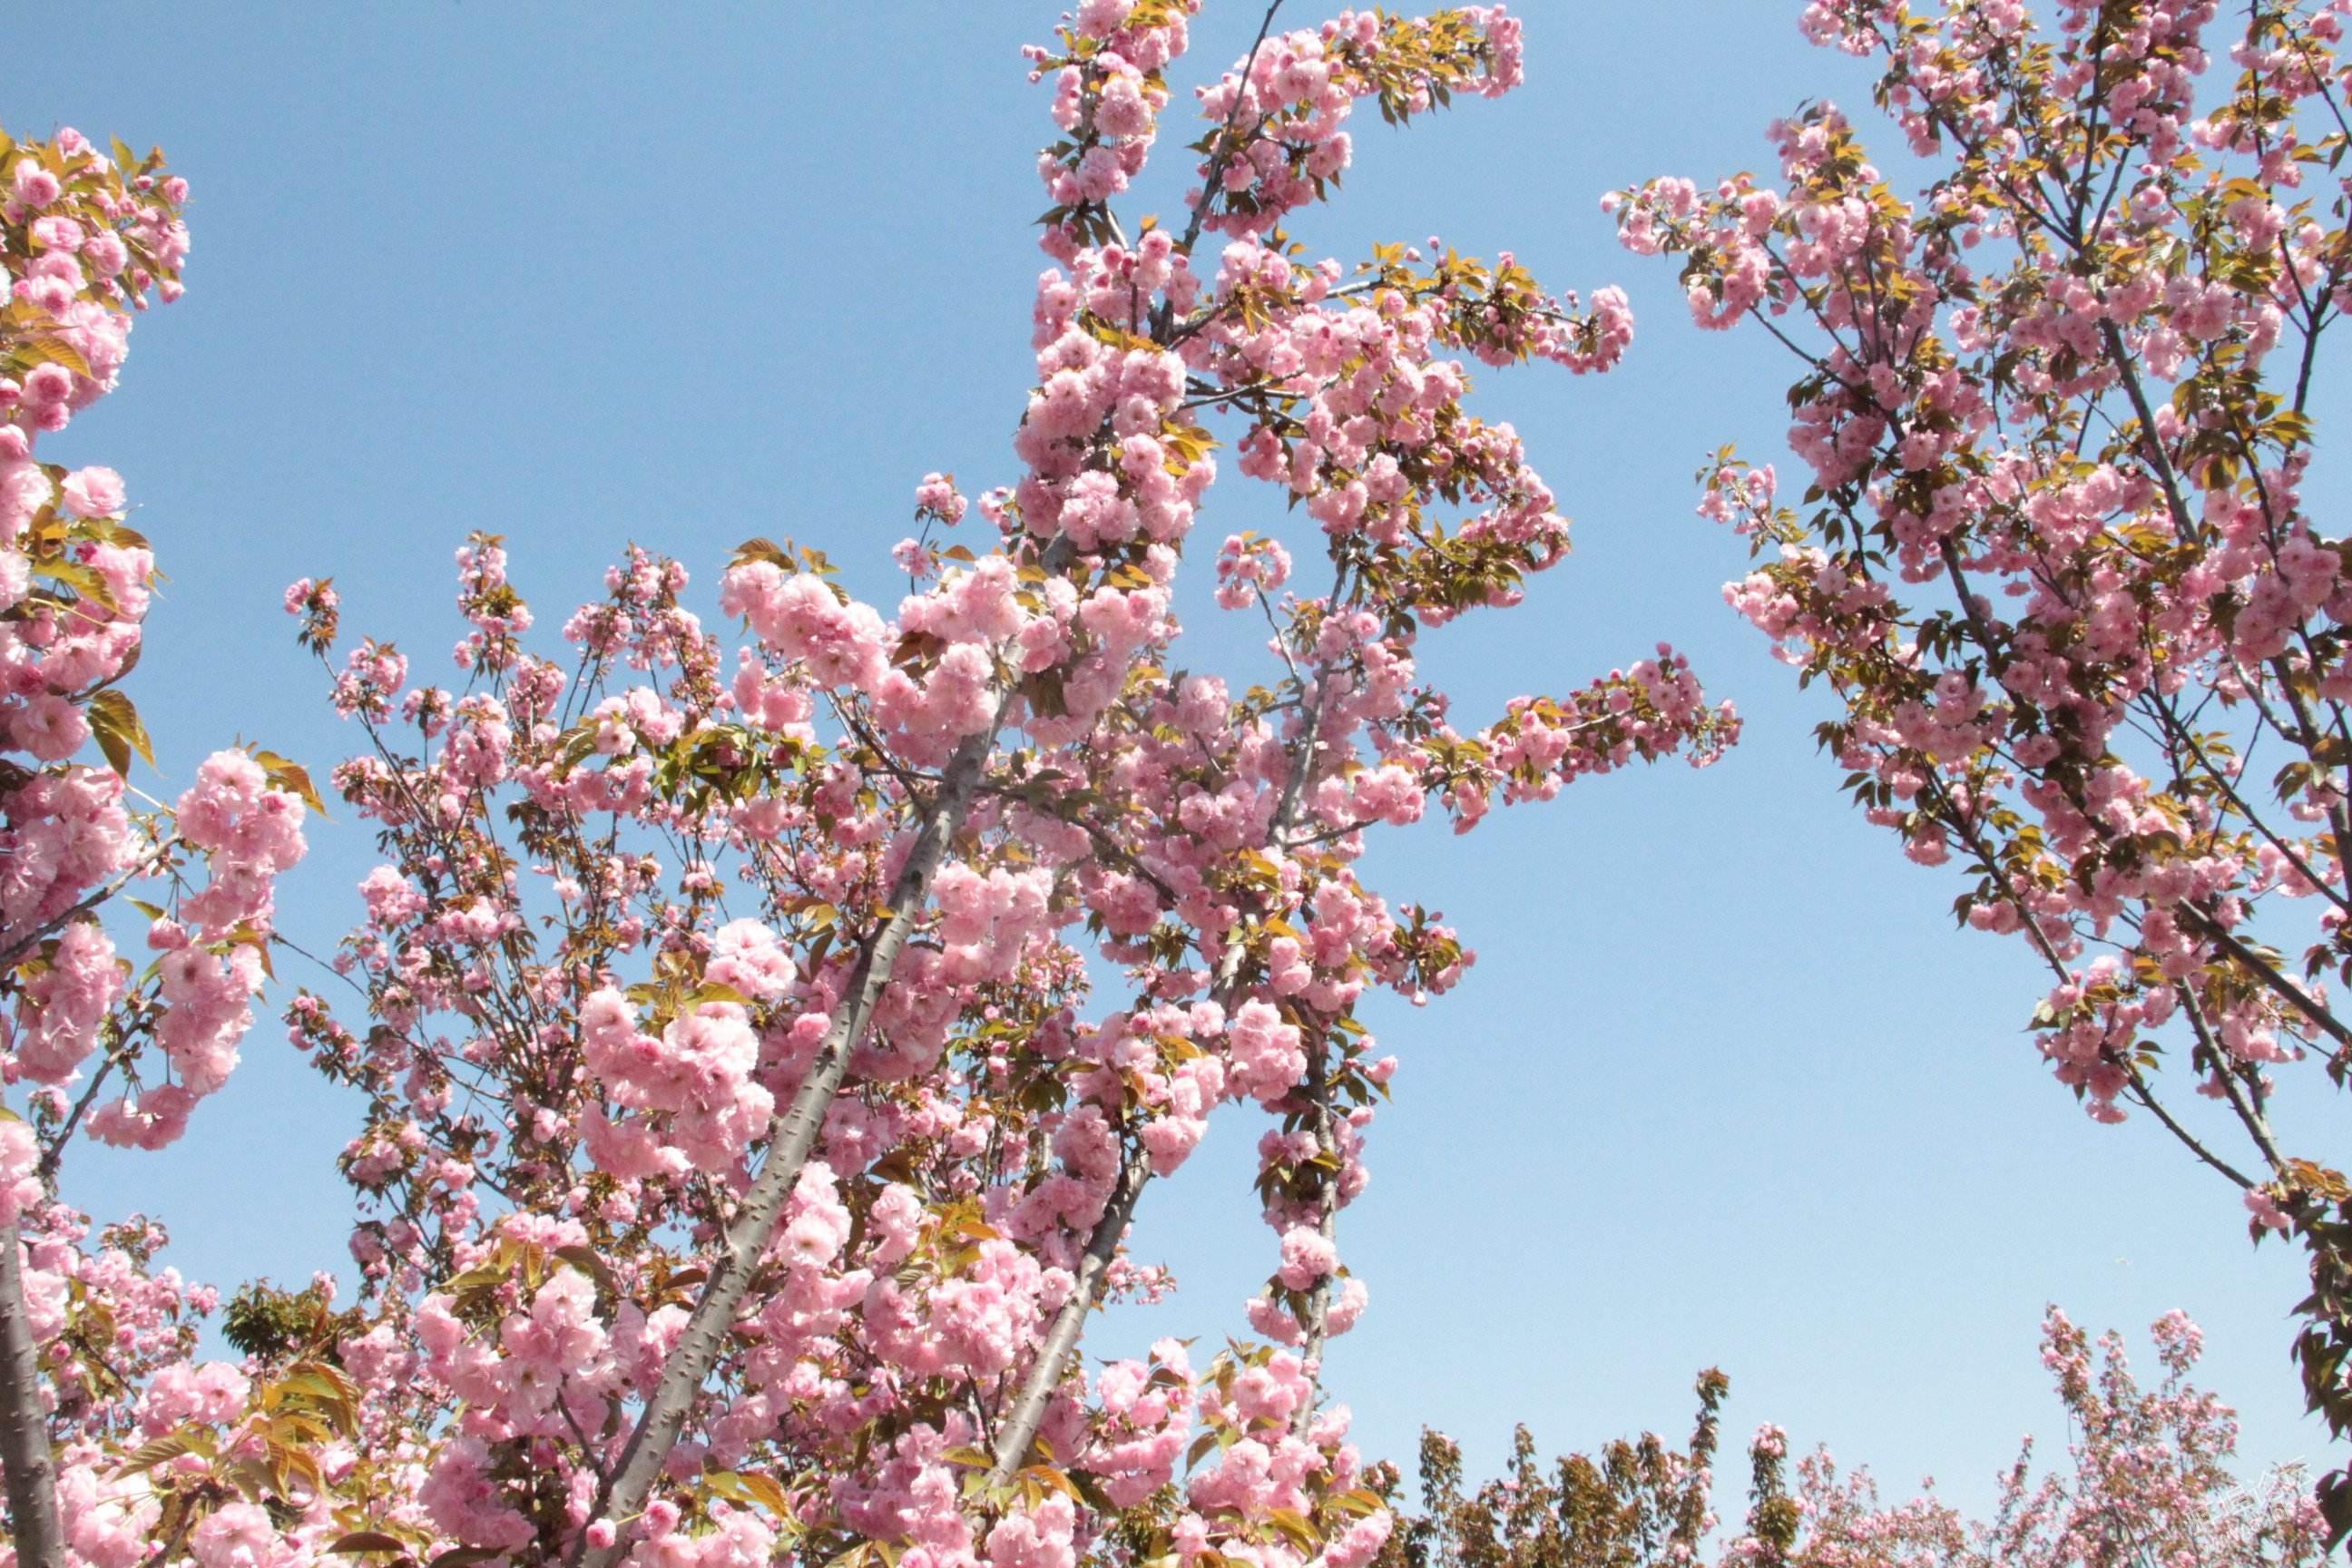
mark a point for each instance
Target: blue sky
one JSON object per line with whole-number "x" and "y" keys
{"x": 1725, "y": 1087}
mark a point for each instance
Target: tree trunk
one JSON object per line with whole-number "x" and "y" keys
{"x": 32, "y": 1477}
{"x": 792, "y": 1136}
{"x": 1315, "y": 1322}
{"x": 1019, "y": 1427}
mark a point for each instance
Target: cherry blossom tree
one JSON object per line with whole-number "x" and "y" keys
{"x": 766, "y": 1043}
{"x": 2053, "y": 559}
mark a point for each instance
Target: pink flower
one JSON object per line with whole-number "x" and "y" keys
{"x": 33, "y": 185}
{"x": 105, "y": 254}
{"x": 94, "y": 492}
{"x": 49, "y": 726}
{"x": 1308, "y": 1256}
{"x": 1267, "y": 1058}
{"x": 20, "y": 1157}
{"x": 47, "y": 385}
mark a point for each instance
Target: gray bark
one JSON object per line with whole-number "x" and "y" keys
{"x": 32, "y": 1477}
{"x": 1018, "y": 1428}
{"x": 793, "y": 1135}
{"x": 1315, "y": 1322}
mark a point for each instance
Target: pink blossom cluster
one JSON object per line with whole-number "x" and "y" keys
{"x": 1110, "y": 88}
{"x": 1296, "y": 92}
{"x": 85, "y": 238}
{"x": 691, "y": 1089}
{"x": 2097, "y": 595}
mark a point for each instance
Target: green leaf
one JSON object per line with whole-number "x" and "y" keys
{"x": 83, "y": 580}
{"x": 1293, "y": 1524}
{"x": 248, "y": 936}
{"x": 54, "y": 351}
{"x": 120, "y": 731}
{"x": 738, "y": 1486}
{"x": 292, "y": 777}
{"x": 481, "y": 1276}
{"x": 770, "y": 1496}
{"x": 186, "y": 1440}
{"x": 586, "y": 1260}
{"x": 768, "y": 550}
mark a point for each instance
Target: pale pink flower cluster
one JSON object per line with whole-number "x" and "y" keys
{"x": 1108, "y": 100}
{"x": 1300, "y": 89}
{"x": 2100, "y": 597}
{"x": 685, "y": 1098}
{"x": 1248, "y": 566}
{"x": 72, "y": 228}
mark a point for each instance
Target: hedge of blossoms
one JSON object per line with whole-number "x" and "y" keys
{"x": 766, "y": 1044}
{"x": 2053, "y": 558}
{"x": 94, "y": 1042}
{"x": 2147, "y": 1481}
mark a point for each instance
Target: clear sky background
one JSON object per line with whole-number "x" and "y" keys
{"x": 1726, "y": 1088}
